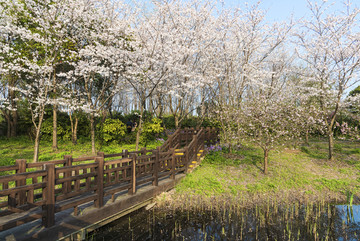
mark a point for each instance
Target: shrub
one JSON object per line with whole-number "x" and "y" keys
{"x": 113, "y": 130}
{"x": 47, "y": 130}
{"x": 151, "y": 130}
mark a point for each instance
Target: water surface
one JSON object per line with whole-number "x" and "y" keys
{"x": 295, "y": 222}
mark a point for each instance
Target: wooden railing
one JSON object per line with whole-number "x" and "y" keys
{"x": 30, "y": 191}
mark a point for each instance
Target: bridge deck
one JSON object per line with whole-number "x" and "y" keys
{"x": 89, "y": 217}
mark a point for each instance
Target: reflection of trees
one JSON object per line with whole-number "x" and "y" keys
{"x": 295, "y": 222}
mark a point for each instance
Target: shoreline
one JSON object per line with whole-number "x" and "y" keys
{"x": 173, "y": 201}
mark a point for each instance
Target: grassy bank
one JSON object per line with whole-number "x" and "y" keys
{"x": 299, "y": 175}
{"x": 22, "y": 148}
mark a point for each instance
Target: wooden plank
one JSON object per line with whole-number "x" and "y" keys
{"x": 74, "y": 168}
{"x": 123, "y": 180}
{"x": 25, "y": 188}
{"x": 8, "y": 168}
{"x": 68, "y": 163}
{"x": 145, "y": 180}
{"x": 117, "y": 161}
{"x": 132, "y": 190}
{"x": 107, "y": 173}
{"x": 21, "y": 176}
{"x": 100, "y": 182}
{"x": 114, "y": 190}
{"x": 21, "y": 163}
{"x": 75, "y": 202}
{"x": 49, "y": 219}
{"x": 88, "y": 158}
{"x": 42, "y": 164}
{"x": 117, "y": 169}
{"x": 74, "y": 194}
{"x": 113, "y": 155}
{"x": 173, "y": 165}
{"x": 75, "y": 178}
{"x": 20, "y": 221}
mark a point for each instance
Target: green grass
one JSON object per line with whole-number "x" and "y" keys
{"x": 304, "y": 173}
{"x": 22, "y": 148}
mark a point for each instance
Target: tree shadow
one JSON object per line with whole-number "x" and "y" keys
{"x": 250, "y": 156}
{"x": 317, "y": 153}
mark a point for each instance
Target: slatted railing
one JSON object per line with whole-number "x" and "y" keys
{"x": 30, "y": 191}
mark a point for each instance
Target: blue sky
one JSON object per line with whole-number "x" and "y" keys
{"x": 281, "y": 10}
{"x": 277, "y": 10}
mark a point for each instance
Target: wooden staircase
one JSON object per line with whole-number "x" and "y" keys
{"x": 194, "y": 163}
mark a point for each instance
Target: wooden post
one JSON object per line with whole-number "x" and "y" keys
{"x": 49, "y": 219}
{"x": 156, "y": 167}
{"x": 195, "y": 145}
{"x": 208, "y": 130}
{"x": 186, "y": 136}
{"x": 126, "y": 153}
{"x": 186, "y": 154}
{"x": 101, "y": 154}
{"x": 100, "y": 182}
{"x": 143, "y": 151}
{"x": 107, "y": 177}
{"x": 173, "y": 164}
{"x": 21, "y": 168}
{"x": 68, "y": 163}
{"x": 132, "y": 189}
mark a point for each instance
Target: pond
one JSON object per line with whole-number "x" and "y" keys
{"x": 296, "y": 222}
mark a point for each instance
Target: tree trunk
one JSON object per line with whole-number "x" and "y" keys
{"x": 138, "y": 133}
{"x": 266, "y": 156}
{"x": 14, "y": 123}
{"x": 73, "y": 128}
{"x": 37, "y": 145}
{"x": 8, "y": 133}
{"x": 307, "y": 138}
{"x": 331, "y": 144}
{"x": 37, "y": 138}
{"x": 54, "y": 134}
{"x": 13, "y": 114}
{"x": 176, "y": 121}
{"x": 92, "y": 130}
{"x": 13, "y": 117}
{"x": 74, "y": 136}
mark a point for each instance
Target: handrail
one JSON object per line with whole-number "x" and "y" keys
{"x": 69, "y": 185}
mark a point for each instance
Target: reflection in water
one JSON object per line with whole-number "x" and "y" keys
{"x": 296, "y": 222}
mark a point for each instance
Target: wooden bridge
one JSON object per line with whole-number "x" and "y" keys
{"x": 39, "y": 191}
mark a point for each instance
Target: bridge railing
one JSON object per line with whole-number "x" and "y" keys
{"x": 33, "y": 191}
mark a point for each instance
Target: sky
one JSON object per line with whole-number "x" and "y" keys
{"x": 281, "y": 10}
{"x": 277, "y": 10}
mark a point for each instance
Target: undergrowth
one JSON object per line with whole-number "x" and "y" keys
{"x": 303, "y": 173}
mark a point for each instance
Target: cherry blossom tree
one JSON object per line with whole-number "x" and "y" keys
{"x": 242, "y": 60}
{"x": 102, "y": 58}
{"x": 32, "y": 23}
{"x": 76, "y": 37}
{"x": 329, "y": 45}
{"x": 168, "y": 48}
